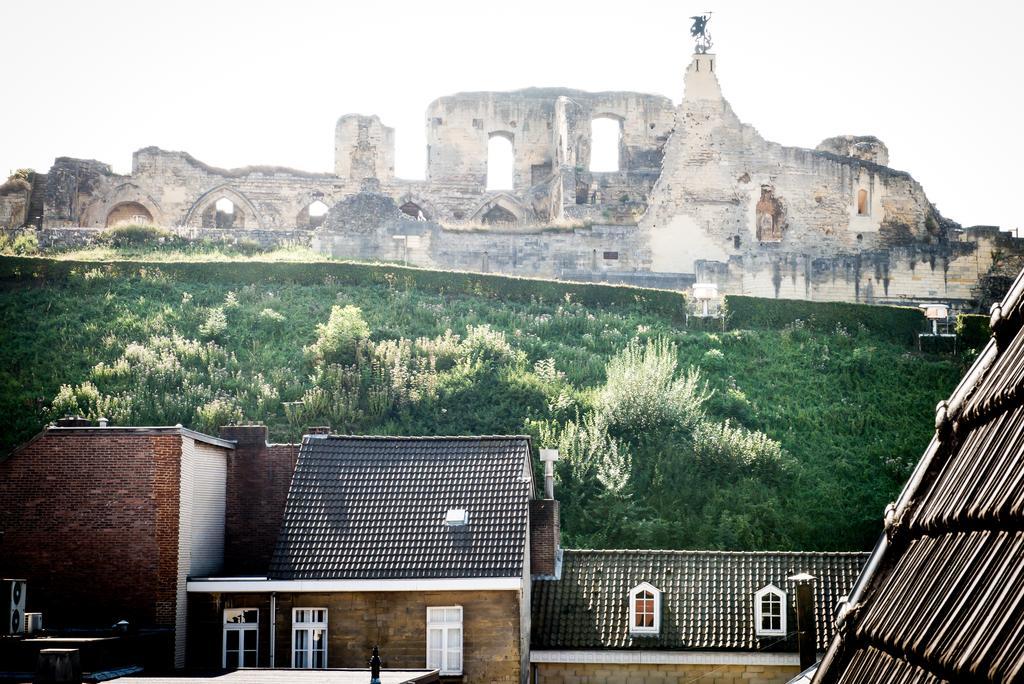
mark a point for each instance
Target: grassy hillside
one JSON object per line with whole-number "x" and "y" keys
{"x": 793, "y": 438}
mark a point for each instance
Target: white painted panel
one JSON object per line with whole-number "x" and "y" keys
{"x": 209, "y": 486}
{"x": 185, "y": 504}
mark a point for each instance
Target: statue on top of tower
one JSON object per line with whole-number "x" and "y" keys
{"x": 699, "y": 30}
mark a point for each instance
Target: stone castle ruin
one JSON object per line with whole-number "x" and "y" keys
{"x": 698, "y": 196}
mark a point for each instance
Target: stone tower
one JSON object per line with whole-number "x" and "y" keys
{"x": 364, "y": 148}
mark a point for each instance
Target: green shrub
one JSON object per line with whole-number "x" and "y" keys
{"x": 643, "y": 392}
{"x": 24, "y": 243}
{"x": 217, "y": 412}
{"x": 337, "y": 339}
{"x": 247, "y": 247}
{"x": 588, "y": 451}
{"x": 216, "y": 324}
{"x": 727, "y": 447}
{"x": 973, "y": 330}
{"x": 135, "y": 235}
{"x": 714, "y": 359}
{"x": 899, "y": 324}
{"x": 270, "y": 316}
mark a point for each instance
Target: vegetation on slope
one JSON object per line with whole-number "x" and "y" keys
{"x": 671, "y": 438}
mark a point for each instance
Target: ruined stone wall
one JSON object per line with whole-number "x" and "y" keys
{"x": 901, "y": 275}
{"x": 724, "y": 191}
{"x": 364, "y": 148}
{"x": 698, "y": 195}
{"x": 550, "y": 132}
{"x": 14, "y": 205}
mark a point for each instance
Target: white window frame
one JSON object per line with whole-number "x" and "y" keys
{"x": 239, "y": 627}
{"x": 446, "y": 628}
{"x": 309, "y": 626}
{"x": 759, "y": 611}
{"x": 633, "y": 594}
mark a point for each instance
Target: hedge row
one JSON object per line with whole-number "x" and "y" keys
{"x": 973, "y": 330}
{"x": 667, "y": 303}
{"x": 899, "y": 324}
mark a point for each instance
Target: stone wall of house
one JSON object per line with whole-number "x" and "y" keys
{"x": 394, "y": 621}
{"x": 91, "y": 521}
{"x": 602, "y": 673}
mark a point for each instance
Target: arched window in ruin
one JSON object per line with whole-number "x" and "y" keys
{"x": 223, "y": 214}
{"x": 129, "y": 213}
{"x": 605, "y": 143}
{"x": 862, "y": 202}
{"x": 312, "y": 216}
{"x": 498, "y": 215}
{"x": 500, "y": 162}
{"x": 413, "y": 210}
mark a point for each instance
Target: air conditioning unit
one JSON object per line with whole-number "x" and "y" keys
{"x": 33, "y": 623}
{"x": 12, "y": 593}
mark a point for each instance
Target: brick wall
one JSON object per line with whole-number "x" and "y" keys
{"x": 601, "y": 673}
{"x": 258, "y": 479}
{"x": 544, "y": 536}
{"x": 395, "y": 621}
{"x": 91, "y": 521}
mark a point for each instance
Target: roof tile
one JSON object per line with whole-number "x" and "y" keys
{"x": 707, "y": 597}
{"x": 374, "y": 508}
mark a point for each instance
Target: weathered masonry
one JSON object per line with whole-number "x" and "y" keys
{"x": 518, "y": 182}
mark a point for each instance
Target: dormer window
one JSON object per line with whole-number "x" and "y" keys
{"x": 456, "y": 517}
{"x": 645, "y": 609}
{"x": 770, "y": 611}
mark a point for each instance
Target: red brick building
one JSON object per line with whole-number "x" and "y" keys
{"x": 107, "y": 523}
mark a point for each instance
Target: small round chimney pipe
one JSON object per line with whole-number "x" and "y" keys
{"x": 101, "y": 422}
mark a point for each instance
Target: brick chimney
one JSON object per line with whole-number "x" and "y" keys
{"x": 544, "y": 523}
{"x": 806, "y": 630}
{"x": 247, "y": 436}
{"x": 257, "y": 486}
{"x": 318, "y": 430}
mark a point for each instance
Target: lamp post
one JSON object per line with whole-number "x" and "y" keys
{"x": 705, "y": 293}
{"x": 936, "y": 313}
{"x": 375, "y": 667}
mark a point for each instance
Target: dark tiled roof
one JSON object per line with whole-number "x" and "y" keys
{"x": 707, "y": 597}
{"x": 943, "y": 596}
{"x": 374, "y": 508}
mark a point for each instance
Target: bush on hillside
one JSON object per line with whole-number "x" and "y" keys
{"x": 973, "y": 330}
{"x": 642, "y": 390}
{"x": 135, "y": 235}
{"x": 23, "y": 243}
{"x": 587, "y": 451}
{"x": 724, "y": 446}
{"x": 898, "y": 324}
{"x": 338, "y": 338}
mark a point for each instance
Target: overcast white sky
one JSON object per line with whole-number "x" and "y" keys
{"x": 237, "y": 83}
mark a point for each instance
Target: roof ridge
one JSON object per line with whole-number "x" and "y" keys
{"x": 408, "y": 438}
{"x": 709, "y": 552}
